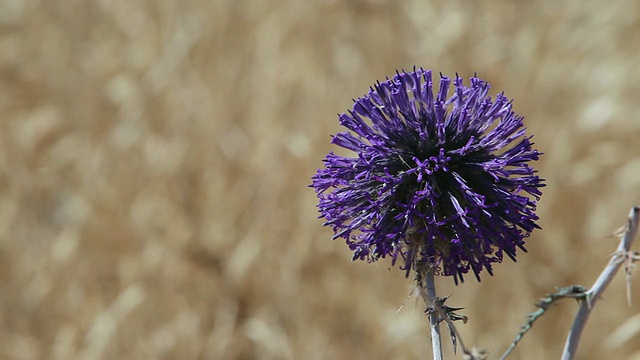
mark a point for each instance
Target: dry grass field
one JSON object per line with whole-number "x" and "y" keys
{"x": 155, "y": 158}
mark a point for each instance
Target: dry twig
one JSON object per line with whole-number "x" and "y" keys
{"x": 622, "y": 255}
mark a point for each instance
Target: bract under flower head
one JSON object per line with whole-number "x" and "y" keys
{"x": 441, "y": 182}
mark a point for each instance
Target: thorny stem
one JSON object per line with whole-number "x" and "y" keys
{"x": 575, "y": 292}
{"x": 594, "y": 294}
{"x": 436, "y": 344}
{"x": 440, "y": 312}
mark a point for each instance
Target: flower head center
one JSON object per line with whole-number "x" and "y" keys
{"x": 432, "y": 164}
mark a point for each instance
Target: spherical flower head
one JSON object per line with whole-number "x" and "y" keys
{"x": 441, "y": 182}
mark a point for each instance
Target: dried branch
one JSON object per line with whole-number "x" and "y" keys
{"x": 572, "y": 292}
{"x": 622, "y": 255}
{"x": 629, "y": 265}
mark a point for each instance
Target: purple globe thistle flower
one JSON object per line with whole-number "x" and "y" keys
{"x": 441, "y": 182}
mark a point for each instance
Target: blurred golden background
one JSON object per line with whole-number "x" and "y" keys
{"x": 156, "y": 155}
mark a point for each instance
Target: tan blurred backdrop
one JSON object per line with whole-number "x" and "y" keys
{"x": 155, "y": 159}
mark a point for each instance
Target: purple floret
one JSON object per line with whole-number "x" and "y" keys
{"x": 441, "y": 183}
